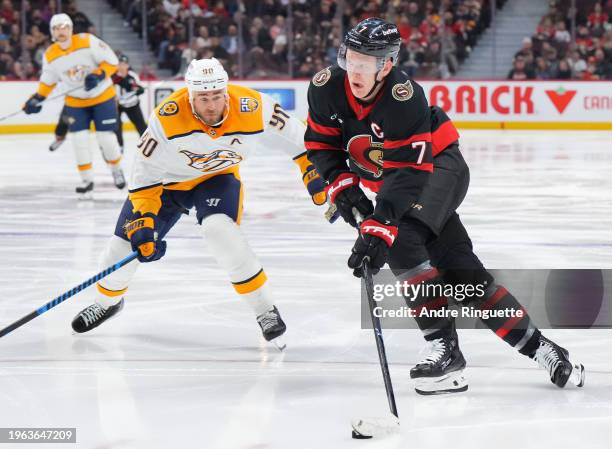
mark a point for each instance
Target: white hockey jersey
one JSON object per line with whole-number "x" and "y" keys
{"x": 86, "y": 54}
{"x": 178, "y": 151}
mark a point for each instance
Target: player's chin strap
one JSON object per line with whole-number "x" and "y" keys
{"x": 376, "y": 84}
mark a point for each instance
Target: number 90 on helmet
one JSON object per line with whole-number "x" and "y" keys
{"x": 373, "y": 37}
{"x": 205, "y": 75}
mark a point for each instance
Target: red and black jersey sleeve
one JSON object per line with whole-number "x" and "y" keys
{"x": 323, "y": 138}
{"x": 407, "y": 150}
{"x": 443, "y": 131}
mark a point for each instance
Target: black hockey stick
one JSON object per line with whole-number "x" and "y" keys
{"x": 370, "y": 427}
{"x": 380, "y": 344}
{"x": 70, "y": 293}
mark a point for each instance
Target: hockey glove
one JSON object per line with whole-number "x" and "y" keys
{"x": 93, "y": 79}
{"x": 376, "y": 235}
{"x": 313, "y": 182}
{"x": 345, "y": 193}
{"x": 33, "y": 106}
{"x": 143, "y": 237}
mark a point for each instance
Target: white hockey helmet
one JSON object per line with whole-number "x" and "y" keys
{"x": 60, "y": 20}
{"x": 204, "y": 75}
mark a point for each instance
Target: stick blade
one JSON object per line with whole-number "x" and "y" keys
{"x": 364, "y": 428}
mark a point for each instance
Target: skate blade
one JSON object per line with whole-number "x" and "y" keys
{"x": 85, "y": 196}
{"x": 279, "y": 342}
{"x": 454, "y": 382}
{"x": 578, "y": 375}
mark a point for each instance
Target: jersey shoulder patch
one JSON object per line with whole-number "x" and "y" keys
{"x": 402, "y": 91}
{"x": 175, "y": 116}
{"x": 322, "y": 77}
{"x": 168, "y": 108}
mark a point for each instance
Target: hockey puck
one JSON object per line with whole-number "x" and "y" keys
{"x": 357, "y": 436}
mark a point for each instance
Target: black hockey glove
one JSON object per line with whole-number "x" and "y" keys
{"x": 376, "y": 235}
{"x": 93, "y": 79}
{"x": 33, "y": 106}
{"x": 345, "y": 193}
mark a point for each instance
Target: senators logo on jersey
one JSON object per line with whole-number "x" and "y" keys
{"x": 366, "y": 154}
{"x": 321, "y": 77}
{"x": 214, "y": 161}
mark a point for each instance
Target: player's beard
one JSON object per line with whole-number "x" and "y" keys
{"x": 65, "y": 43}
{"x": 218, "y": 120}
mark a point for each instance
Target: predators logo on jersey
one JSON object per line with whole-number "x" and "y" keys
{"x": 170, "y": 108}
{"x": 214, "y": 161}
{"x": 248, "y": 104}
{"x": 77, "y": 73}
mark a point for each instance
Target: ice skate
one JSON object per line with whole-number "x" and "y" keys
{"x": 441, "y": 370}
{"x": 555, "y": 360}
{"x": 272, "y": 327}
{"x": 94, "y": 315}
{"x": 118, "y": 178}
{"x": 57, "y": 143}
{"x": 85, "y": 190}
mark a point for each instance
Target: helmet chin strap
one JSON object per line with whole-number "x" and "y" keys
{"x": 376, "y": 83}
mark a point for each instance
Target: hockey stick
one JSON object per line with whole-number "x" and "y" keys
{"x": 63, "y": 297}
{"x": 370, "y": 427}
{"x": 55, "y": 97}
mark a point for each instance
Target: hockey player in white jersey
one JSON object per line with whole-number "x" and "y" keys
{"x": 189, "y": 157}
{"x": 83, "y": 64}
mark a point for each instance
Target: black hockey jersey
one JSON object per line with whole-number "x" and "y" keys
{"x": 389, "y": 143}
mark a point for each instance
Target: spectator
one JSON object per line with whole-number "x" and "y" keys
{"x": 231, "y": 41}
{"x": 562, "y": 36}
{"x": 411, "y": 58}
{"x": 520, "y": 71}
{"x": 172, "y": 7}
{"x": 542, "y": 69}
{"x": 577, "y": 64}
{"x": 415, "y": 16}
{"x": 80, "y": 22}
{"x": 564, "y": 71}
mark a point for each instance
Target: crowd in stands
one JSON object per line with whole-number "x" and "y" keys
{"x": 438, "y": 35}
{"x": 552, "y": 54}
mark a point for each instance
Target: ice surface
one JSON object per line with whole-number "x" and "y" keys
{"x": 184, "y": 365}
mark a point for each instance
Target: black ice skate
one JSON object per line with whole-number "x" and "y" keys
{"x": 85, "y": 190}
{"x": 57, "y": 143}
{"x": 118, "y": 178}
{"x": 94, "y": 315}
{"x": 272, "y": 325}
{"x": 555, "y": 360}
{"x": 441, "y": 371}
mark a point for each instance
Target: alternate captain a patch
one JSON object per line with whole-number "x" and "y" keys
{"x": 248, "y": 104}
{"x": 169, "y": 108}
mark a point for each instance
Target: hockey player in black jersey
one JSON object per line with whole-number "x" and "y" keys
{"x": 370, "y": 125}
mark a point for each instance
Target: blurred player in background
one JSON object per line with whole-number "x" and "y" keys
{"x": 189, "y": 158}
{"x": 128, "y": 89}
{"x": 369, "y": 113}
{"x": 83, "y": 64}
